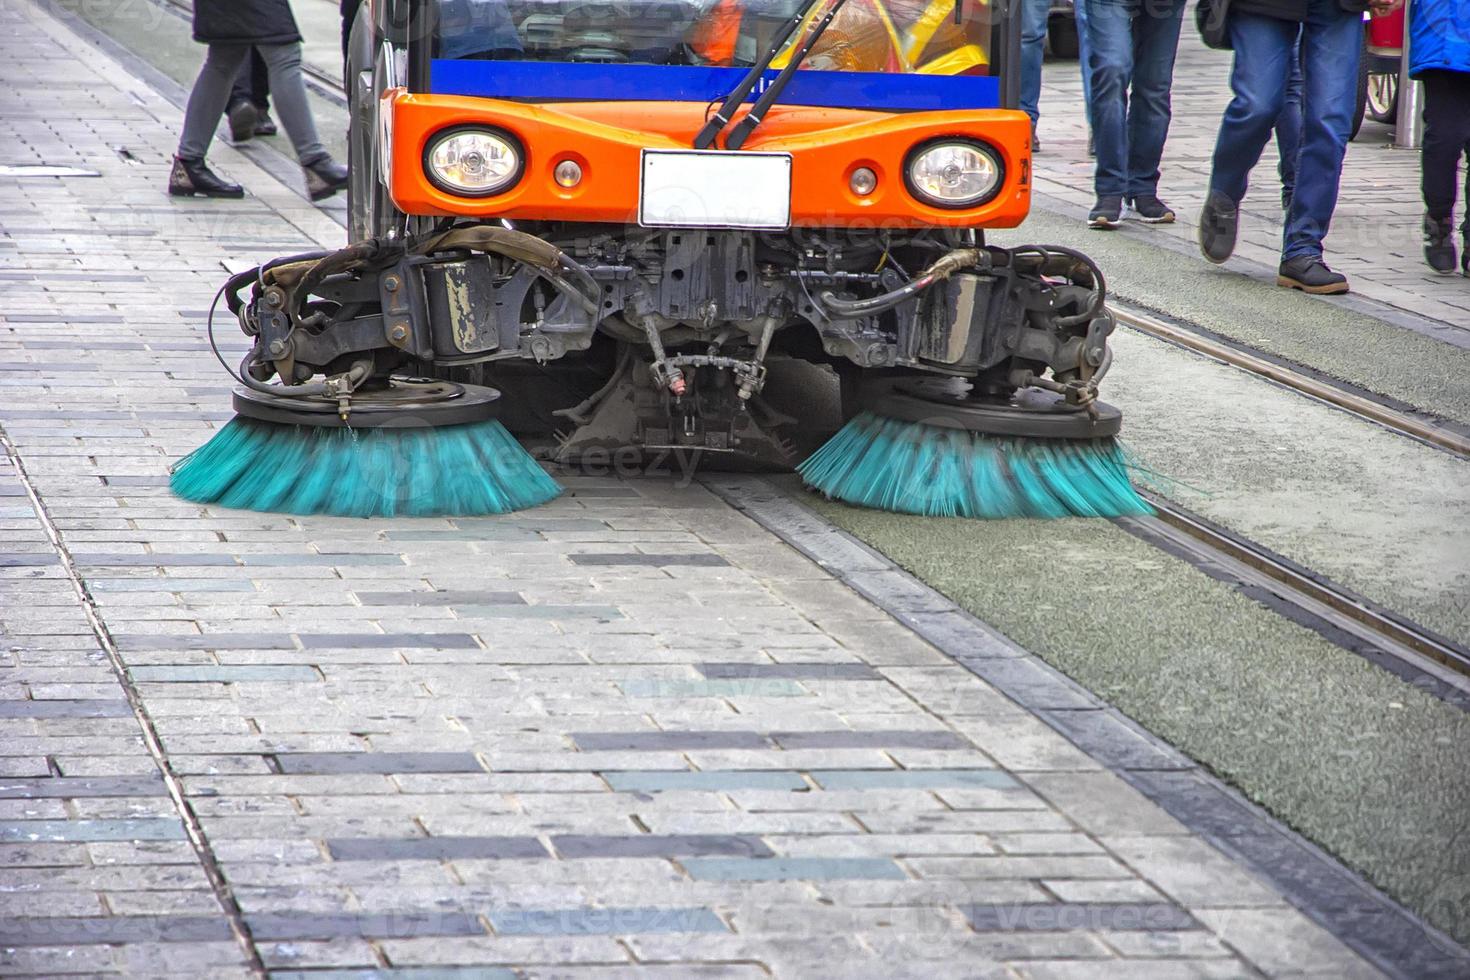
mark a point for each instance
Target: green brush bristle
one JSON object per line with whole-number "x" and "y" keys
{"x": 912, "y": 468}
{"x": 459, "y": 470}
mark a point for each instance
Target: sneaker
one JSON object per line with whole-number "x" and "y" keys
{"x": 190, "y": 177}
{"x": 1311, "y": 275}
{"x": 264, "y": 124}
{"x": 1439, "y": 246}
{"x": 241, "y": 115}
{"x": 324, "y": 178}
{"x": 1219, "y": 220}
{"x": 1151, "y": 210}
{"x": 1106, "y": 214}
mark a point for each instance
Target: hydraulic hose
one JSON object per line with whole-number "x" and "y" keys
{"x": 946, "y": 266}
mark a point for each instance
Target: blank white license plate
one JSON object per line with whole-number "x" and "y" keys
{"x": 715, "y": 189}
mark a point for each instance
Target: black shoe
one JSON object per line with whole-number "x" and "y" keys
{"x": 324, "y": 178}
{"x": 189, "y": 177}
{"x": 1439, "y": 246}
{"x": 1091, "y": 146}
{"x": 1035, "y": 144}
{"x": 1152, "y": 210}
{"x": 1106, "y": 214}
{"x": 1311, "y": 275}
{"x": 1285, "y": 200}
{"x": 241, "y": 115}
{"x": 264, "y": 124}
{"x": 1219, "y": 220}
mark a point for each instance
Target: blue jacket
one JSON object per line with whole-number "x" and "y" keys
{"x": 1439, "y": 35}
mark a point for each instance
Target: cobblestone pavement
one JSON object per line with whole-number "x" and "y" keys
{"x": 1375, "y": 240}
{"x": 627, "y": 734}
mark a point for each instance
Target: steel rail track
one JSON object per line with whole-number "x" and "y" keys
{"x": 1406, "y": 423}
{"x": 1413, "y": 650}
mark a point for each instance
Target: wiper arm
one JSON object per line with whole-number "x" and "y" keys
{"x": 738, "y": 94}
{"x": 768, "y": 98}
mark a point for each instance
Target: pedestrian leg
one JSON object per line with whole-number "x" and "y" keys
{"x": 1033, "y": 43}
{"x": 1263, "y": 47}
{"x": 1446, "y": 139}
{"x": 283, "y": 62}
{"x": 1156, "y": 41}
{"x": 208, "y": 98}
{"x": 1332, "y": 41}
{"x": 1110, "y": 39}
{"x": 1289, "y": 127}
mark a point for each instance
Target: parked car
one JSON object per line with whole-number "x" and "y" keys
{"x": 1378, "y": 70}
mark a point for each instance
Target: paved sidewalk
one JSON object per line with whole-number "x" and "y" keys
{"x": 627, "y": 734}
{"x": 1375, "y": 239}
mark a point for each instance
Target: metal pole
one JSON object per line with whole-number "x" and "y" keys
{"x": 1409, "y": 132}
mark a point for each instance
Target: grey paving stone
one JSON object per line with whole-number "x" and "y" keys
{"x": 79, "y": 931}
{"x": 77, "y": 787}
{"x": 224, "y": 674}
{"x": 205, "y": 641}
{"x": 385, "y": 925}
{"x": 603, "y": 921}
{"x": 913, "y": 779}
{"x": 377, "y": 762}
{"x": 1079, "y": 916}
{"x": 154, "y": 559}
{"x": 719, "y": 780}
{"x": 27, "y": 560}
{"x": 1111, "y": 741}
{"x": 658, "y": 845}
{"x": 35, "y": 708}
{"x": 871, "y": 739}
{"x": 794, "y": 671}
{"x": 698, "y": 559}
{"x": 442, "y": 597}
{"x": 423, "y": 641}
{"x": 398, "y": 973}
{"x": 435, "y": 848}
{"x": 790, "y": 869}
{"x": 91, "y": 830}
{"x": 668, "y": 741}
{"x": 286, "y": 560}
{"x": 754, "y": 687}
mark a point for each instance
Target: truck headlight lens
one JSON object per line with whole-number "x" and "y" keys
{"x": 473, "y": 162}
{"x": 954, "y": 173}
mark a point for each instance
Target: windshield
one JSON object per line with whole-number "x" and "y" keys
{"x": 916, "y": 37}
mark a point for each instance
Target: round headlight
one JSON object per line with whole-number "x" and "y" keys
{"x": 954, "y": 174}
{"x": 473, "y": 162}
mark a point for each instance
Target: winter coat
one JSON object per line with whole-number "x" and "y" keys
{"x": 1292, "y": 10}
{"x": 1439, "y": 36}
{"x": 244, "y": 22}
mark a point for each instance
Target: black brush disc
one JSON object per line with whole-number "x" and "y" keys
{"x": 1029, "y": 413}
{"x": 402, "y": 403}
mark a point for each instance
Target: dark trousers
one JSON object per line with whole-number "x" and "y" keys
{"x": 252, "y": 83}
{"x": 1446, "y": 139}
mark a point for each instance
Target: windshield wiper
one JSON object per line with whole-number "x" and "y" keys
{"x": 738, "y": 94}
{"x": 768, "y": 98}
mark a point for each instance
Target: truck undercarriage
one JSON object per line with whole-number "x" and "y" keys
{"x": 614, "y": 337}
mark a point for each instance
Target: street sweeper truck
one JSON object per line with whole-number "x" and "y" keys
{"x": 601, "y": 223}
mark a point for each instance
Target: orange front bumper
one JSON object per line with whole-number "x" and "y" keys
{"x": 606, "y": 139}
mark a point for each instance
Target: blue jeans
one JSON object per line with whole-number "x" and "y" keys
{"x": 1033, "y": 42}
{"x": 1131, "y": 45}
{"x": 1289, "y": 126}
{"x": 1084, "y": 59}
{"x": 1331, "y": 41}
